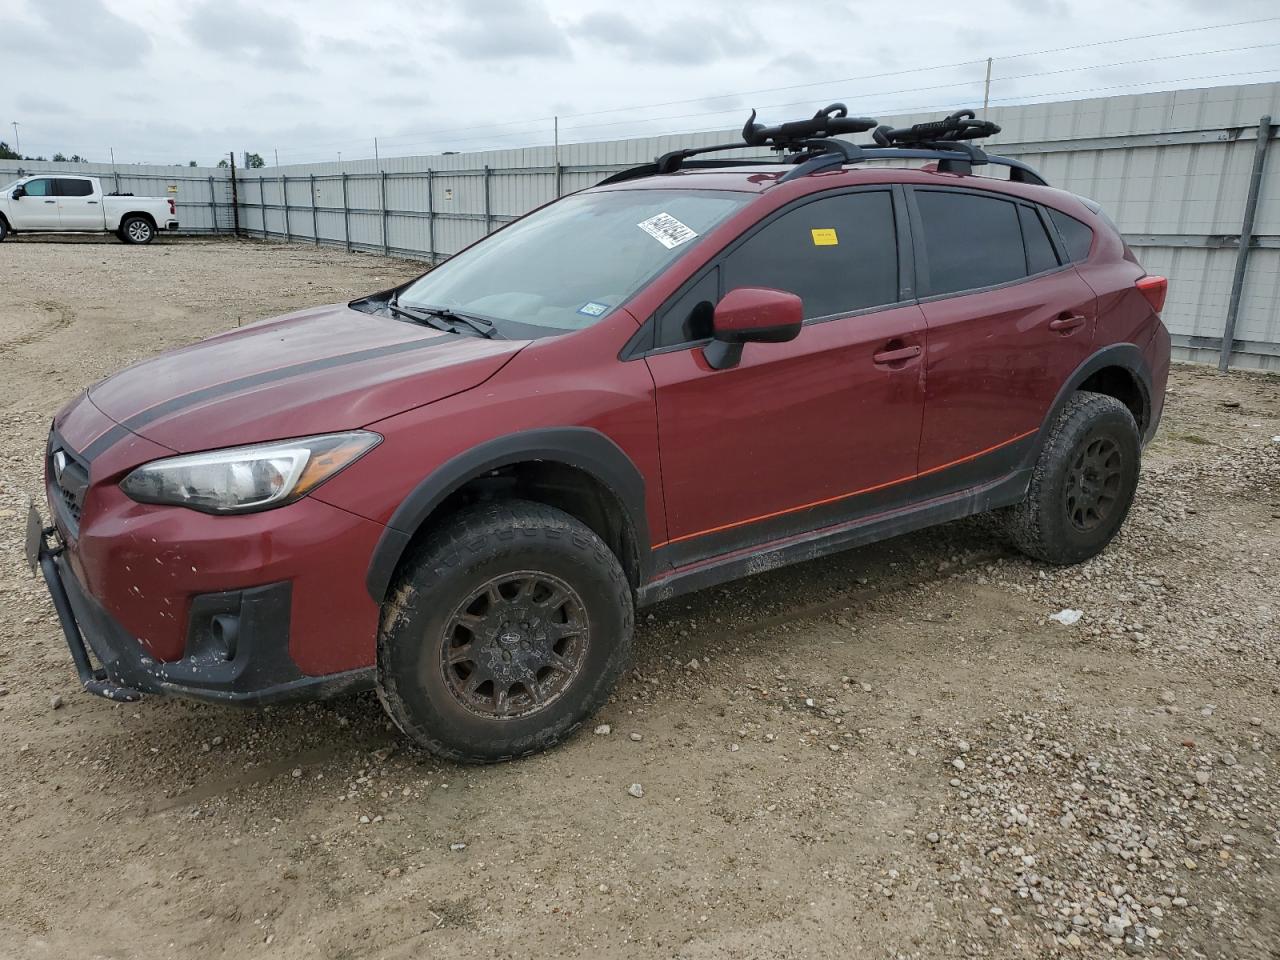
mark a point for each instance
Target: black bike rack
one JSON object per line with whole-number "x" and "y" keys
{"x": 809, "y": 146}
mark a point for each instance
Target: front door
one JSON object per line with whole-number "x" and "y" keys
{"x": 37, "y": 209}
{"x": 800, "y": 435}
{"x": 79, "y": 208}
{"x": 1008, "y": 323}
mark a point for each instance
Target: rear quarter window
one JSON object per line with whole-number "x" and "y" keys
{"x": 1076, "y": 236}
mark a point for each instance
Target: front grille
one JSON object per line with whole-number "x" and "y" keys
{"x": 68, "y": 483}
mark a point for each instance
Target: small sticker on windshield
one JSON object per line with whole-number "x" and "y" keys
{"x": 593, "y": 309}
{"x": 667, "y": 230}
{"x": 824, "y": 237}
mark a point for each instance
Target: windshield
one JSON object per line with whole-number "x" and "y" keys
{"x": 571, "y": 263}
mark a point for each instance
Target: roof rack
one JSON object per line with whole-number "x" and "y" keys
{"x": 809, "y": 146}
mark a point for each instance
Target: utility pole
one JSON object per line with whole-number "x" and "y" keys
{"x": 375, "y": 149}
{"x": 986, "y": 88}
{"x": 276, "y": 151}
{"x": 17, "y": 145}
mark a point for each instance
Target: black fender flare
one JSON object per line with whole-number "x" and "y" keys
{"x": 580, "y": 447}
{"x": 1127, "y": 356}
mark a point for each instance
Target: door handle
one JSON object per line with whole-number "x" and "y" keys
{"x": 1067, "y": 322}
{"x": 896, "y": 355}
{"x": 51, "y": 201}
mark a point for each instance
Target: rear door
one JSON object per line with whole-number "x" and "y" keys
{"x": 37, "y": 209}
{"x": 799, "y": 435}
{"x": 1009, "y": 319}
{"x": 79, "y": 206}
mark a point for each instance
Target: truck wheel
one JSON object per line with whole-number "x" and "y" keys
{"x": 506, "y": 629}
{"x": 137, "y": 230}
{"x": 4, "y": 229}
{"x": 1083, "y": 483}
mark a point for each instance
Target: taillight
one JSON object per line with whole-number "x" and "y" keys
{"x": 173, "y": 207}
{"x": 1154, "y": 289}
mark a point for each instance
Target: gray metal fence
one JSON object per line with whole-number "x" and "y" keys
{"x": 1175, "y": 170}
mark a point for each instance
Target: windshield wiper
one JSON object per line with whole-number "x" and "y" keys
{"x": 423, "y": 318}
{"x": 433, "y": 315}
{"x": 480, "y": 325}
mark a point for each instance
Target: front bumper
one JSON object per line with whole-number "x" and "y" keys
{"x": 245, "y": 661}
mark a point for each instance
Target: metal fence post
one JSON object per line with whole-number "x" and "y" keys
{"x": 382, "y": 193}
{"x": 559, "y": 179}
{"x": 346, "y": 214}
{"x": 262, "y": 204}
{"x": 213, "y": 205}
{"x": 284, "y": 202}
{"x": 488, "y": 215}
{"x": 431, "y": 217}
{"x": 1246, "y": 242}
{"x": 315, "y": 229}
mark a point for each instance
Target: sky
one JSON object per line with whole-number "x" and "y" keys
{"x": 160, "y": 81}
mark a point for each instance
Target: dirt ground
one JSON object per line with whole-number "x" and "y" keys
{"x": 894, "y": 753}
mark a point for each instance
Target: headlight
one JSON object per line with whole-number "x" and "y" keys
{"x": 244, "y": 479}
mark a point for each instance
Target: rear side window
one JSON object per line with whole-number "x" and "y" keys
{"x": 971, "y": 241}
{"x": 1077, "y": 236}
{"x": 1040, "y": 253}
{"x": 838, "y": 254}
{"x": 39, "y": 188}
{"x": 74, "y": 188}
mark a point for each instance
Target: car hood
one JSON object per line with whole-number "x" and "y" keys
{"x": 317, "y": 371}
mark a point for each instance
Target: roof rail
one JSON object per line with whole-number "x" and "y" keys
{"x": 810, "y": 146}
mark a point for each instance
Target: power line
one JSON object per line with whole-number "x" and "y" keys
{"x": 816, "y": 83}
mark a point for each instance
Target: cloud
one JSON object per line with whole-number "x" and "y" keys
{"x": 686, "y": 40}
{"x": 75, "y": 33}
{"x": 234, "y": 29}
{"x": 506, "y": 29}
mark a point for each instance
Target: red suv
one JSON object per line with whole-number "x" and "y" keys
{"x": 460, "y": 490}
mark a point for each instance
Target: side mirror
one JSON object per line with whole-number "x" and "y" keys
{"x": 19, "y": 192}
{"x": 751, "y": 315}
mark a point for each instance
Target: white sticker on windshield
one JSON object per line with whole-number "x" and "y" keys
{"x": 667, "y": 230}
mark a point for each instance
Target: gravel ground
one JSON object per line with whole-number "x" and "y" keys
{"x": 890, "y": 754}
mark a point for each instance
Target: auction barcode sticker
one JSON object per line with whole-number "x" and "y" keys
{"x": 667, "y": 230}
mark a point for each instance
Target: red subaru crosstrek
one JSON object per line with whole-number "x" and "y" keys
{"x": 460, "y": 490}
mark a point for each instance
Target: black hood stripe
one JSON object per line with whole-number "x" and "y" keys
{"x": 205, "y": 394}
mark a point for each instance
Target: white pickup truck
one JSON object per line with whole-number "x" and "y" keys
{"x": 66, "y": 203}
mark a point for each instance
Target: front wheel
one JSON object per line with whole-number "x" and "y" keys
{"x": 1083, "y": 483}
{"x": 4, "y": 229}
{"x": 137, "y": 230}
{"x": 507, "y": 628}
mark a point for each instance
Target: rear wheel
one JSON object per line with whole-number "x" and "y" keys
{"x": 1083, "y": 483}
{"x": 506, "y": 630}
{"x": 137, "y": 230}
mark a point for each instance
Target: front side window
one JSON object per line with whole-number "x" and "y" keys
{"x": 838, "y": 254}
{"x": 74, "y": 188}
{"x": 568, "y": 265}
{"x": 39, "y": 188}
{"x": 971, "y": 241}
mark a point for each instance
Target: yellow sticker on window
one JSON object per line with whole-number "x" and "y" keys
{"x": 825, "y": 237}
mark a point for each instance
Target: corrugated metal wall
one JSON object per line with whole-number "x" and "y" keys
{"x": 1172, "y": 169}
{"x": 203, "y": 193}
